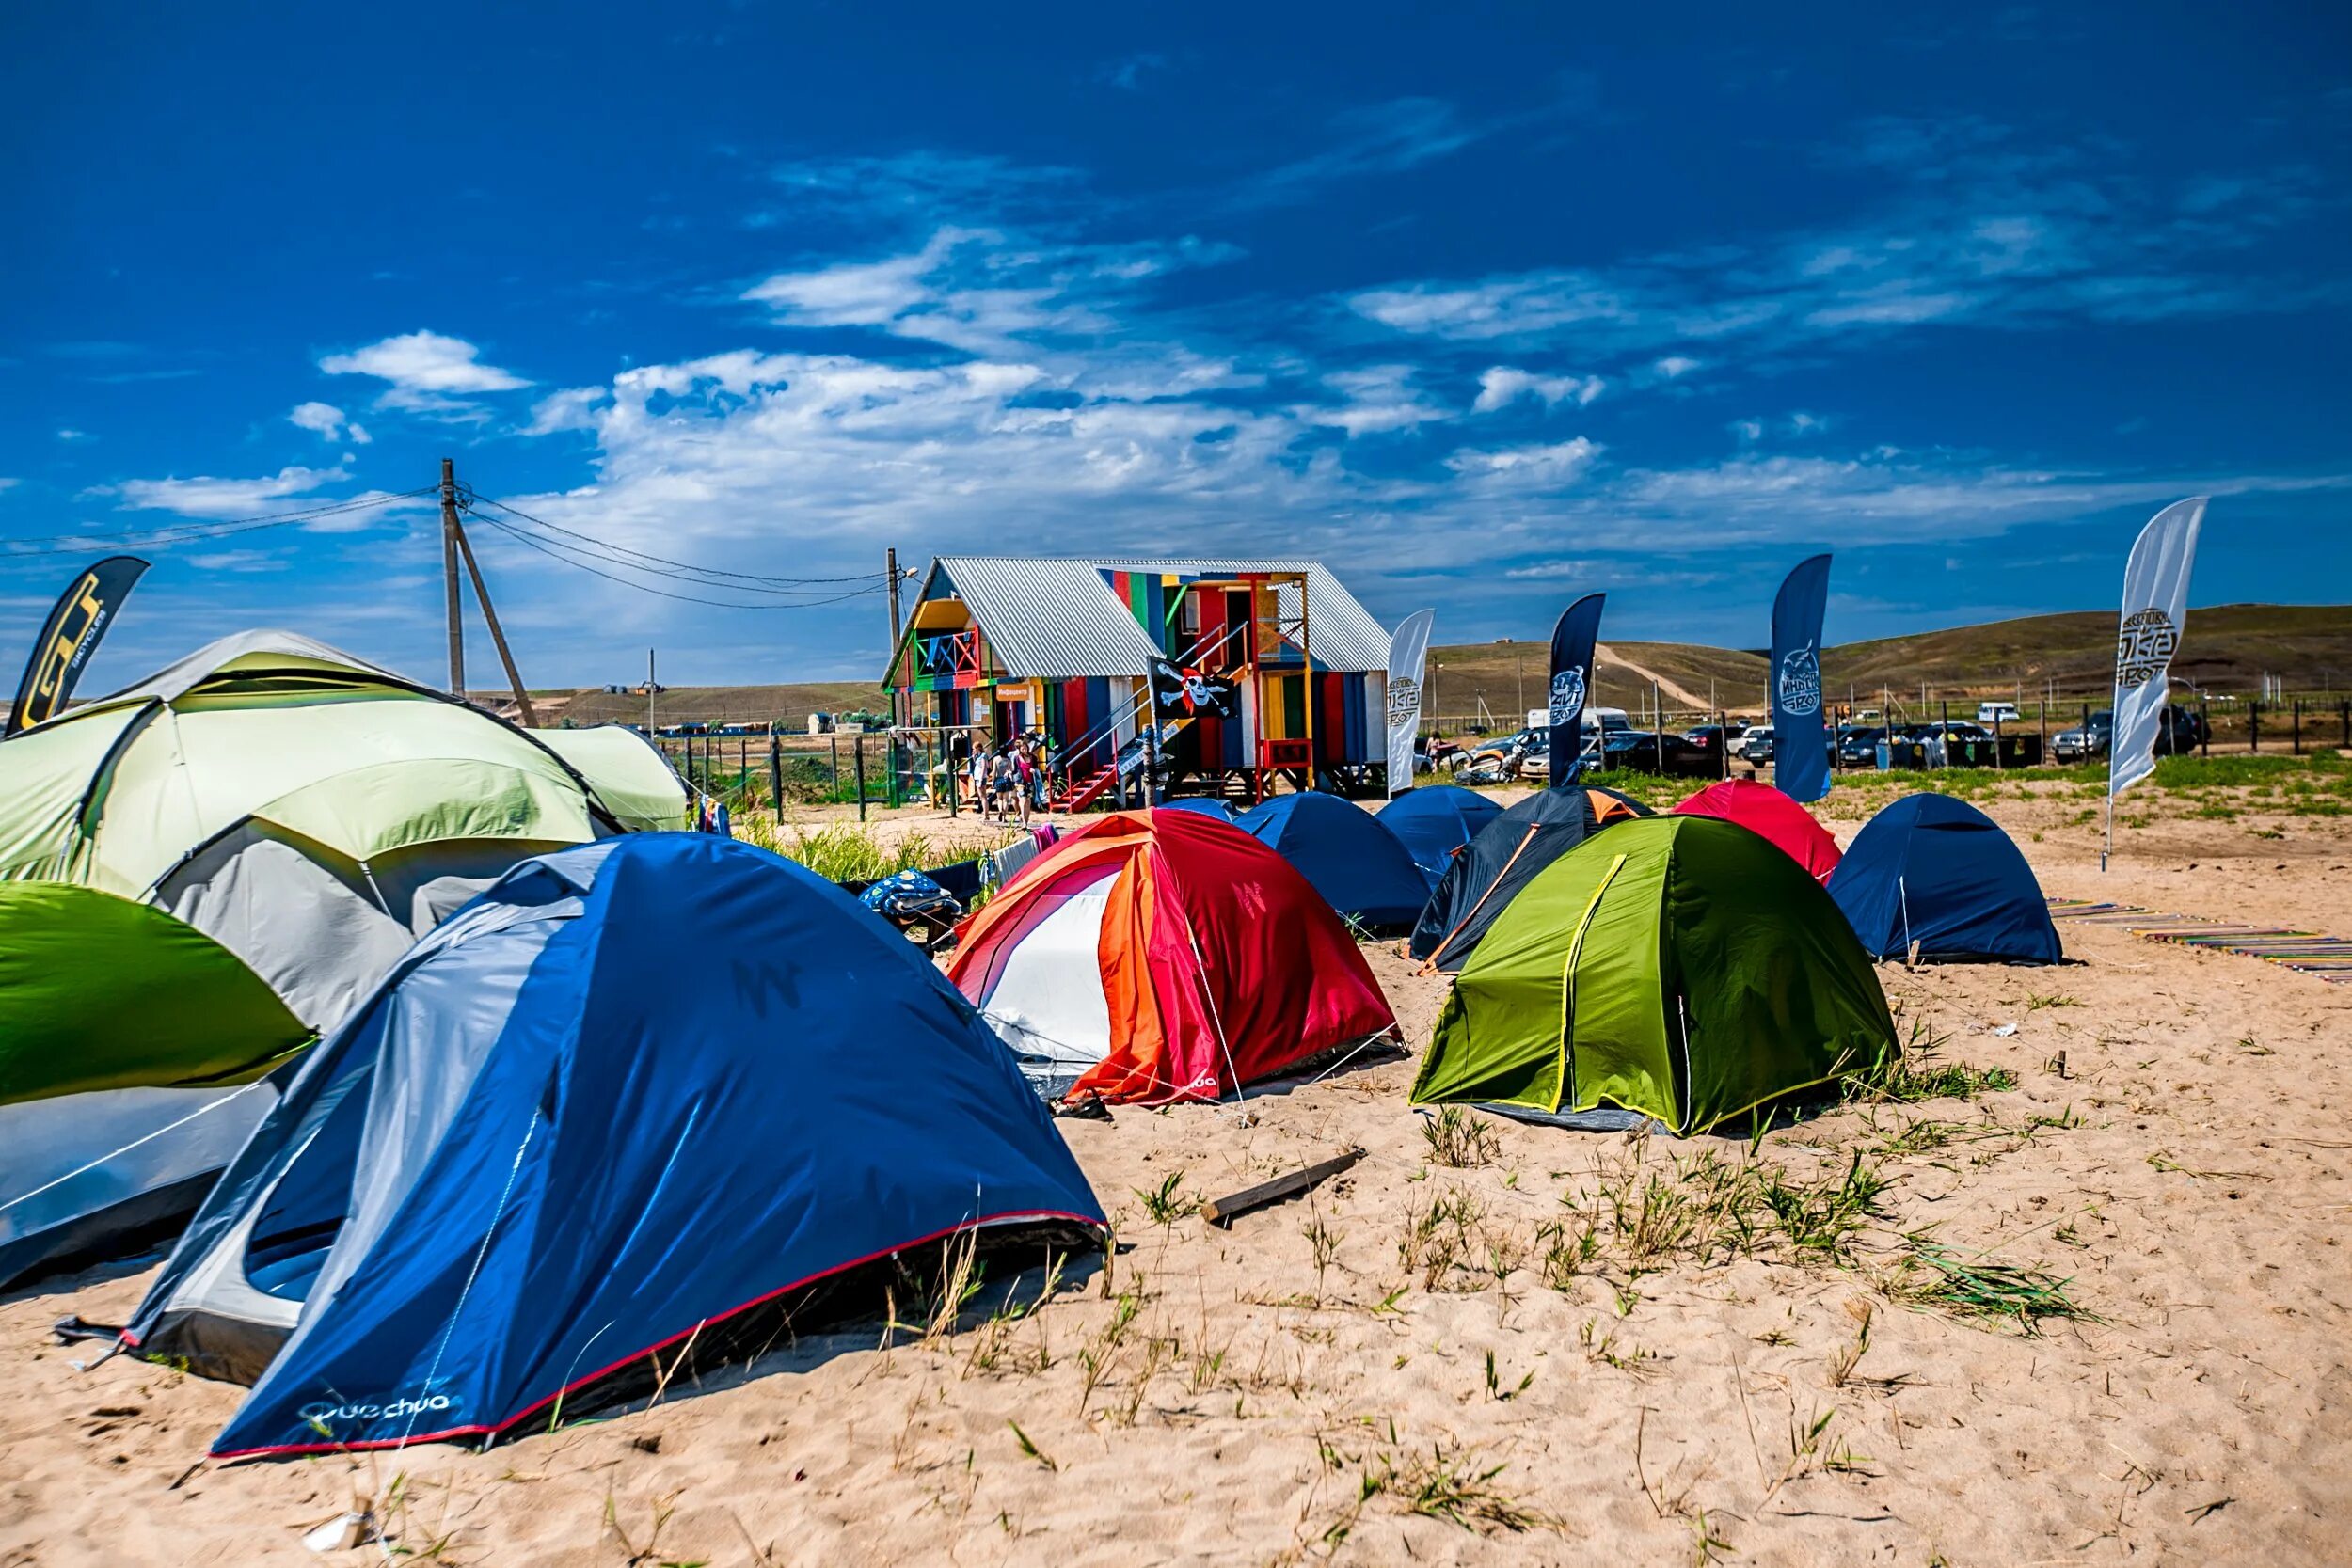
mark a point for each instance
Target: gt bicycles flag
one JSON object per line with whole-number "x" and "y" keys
{"x": 2155, "y": 608}
{"x": 1408, "y": 659}
{"x": 1571, "y": 684}
{"x": 70, "y": 636}
{"x": 1800, "y": 741}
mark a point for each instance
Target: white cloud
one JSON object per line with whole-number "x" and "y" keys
{"x": 1537, "y": 468}
{"x": 1378, "y": 398}
{"x": 573, "y": 409}
{"x": 426, "y": 373}
{"x": 984, "y": 290}
{"x": 1502, "y": 384}
{"x": 1674, "y": 367}
{"x": 328, "y": 422}
{"x": 72, "y": 436}
{"x": 1976, "y": 231}
{"x": 208, "y": 498}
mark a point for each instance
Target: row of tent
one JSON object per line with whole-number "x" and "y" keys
{"x": 1927, "y": 870}
{"x": 612, "y": 1104}
{"x": 1690, "y": 969}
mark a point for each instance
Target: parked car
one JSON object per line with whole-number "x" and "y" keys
{"x": 1652, "y": 752}
{"x": 1757, "y": 745}
{"x": 1857, "y": 745}
{"x": 1997, "y": 713}
{"x": 2179, "y": 731}
{"x": 1715, "y": 739}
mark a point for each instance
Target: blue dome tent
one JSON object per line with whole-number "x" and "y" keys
{"x": 1434, "y": 820}
{"x": 650, "y": 1094}
{"x": 1207, "y": 805}
{"x": 1361, "y": 869}
{"x": 1936, "y": 871}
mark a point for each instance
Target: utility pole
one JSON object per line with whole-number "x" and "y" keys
{"x": 890, "y": 570}
{"x": 498, "y": 634}
{"x": 449, "y": 579}
{"x": 649, "y": 691}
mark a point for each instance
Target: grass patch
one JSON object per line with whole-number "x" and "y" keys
{"x": 1459, "y": 1139}
{"x": 1976, "y": 1288}
{"x": 843, "y": 853}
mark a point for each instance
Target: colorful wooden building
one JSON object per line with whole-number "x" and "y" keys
{"x": 1003, "y": 647}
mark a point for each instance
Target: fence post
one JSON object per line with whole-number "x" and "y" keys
{"x": 1657, "y": 734}
{"x": 2343, "y": 715}
{"x": 2298, "y": 727}
{"x": 776, "y": 770}
{"x": 2204, "y": 726}
{"x": 2255, "y": 725}
{"x": 857, "y": 754}
{"x": 1997, "y": 740}
{"x": 1946, "y": 709}
{"x": 1722, "y": 745}
{"x": 948, "y": 770}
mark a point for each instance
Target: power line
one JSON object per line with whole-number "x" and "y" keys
{"x": 546, "y": 548}
{"x": 162, "y": 535}
{"x": 577, "y": 555}
{"x": 662, "y": 561}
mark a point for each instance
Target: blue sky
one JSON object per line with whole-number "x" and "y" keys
{"x": 1486, "y": 306}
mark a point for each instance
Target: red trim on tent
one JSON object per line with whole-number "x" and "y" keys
{"x": 533, "y": 1408}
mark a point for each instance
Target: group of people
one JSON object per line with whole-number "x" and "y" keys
{"x": 1009, "y": 780}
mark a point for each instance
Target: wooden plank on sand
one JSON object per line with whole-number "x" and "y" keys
{"x": 1220, "y": 1211}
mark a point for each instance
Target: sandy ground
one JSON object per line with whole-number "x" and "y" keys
{"x": 1344, "y": 1378}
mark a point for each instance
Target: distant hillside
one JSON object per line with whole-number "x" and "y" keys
{"x": 2228, "y": 649}
{"x": 756, "y": 704}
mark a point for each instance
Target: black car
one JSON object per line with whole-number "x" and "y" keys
{"x": 2178, "y": 733}
{"x": 1857, "y": 745}
{"x": 1647, "y": 752}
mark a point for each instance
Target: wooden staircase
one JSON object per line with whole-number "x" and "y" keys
{"x": 1077, "y": 794}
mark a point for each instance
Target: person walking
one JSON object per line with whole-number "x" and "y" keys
{"x": 1001, "y": 791}
{"x": 978, "y": 772}
{"x": 1024, "y": 777}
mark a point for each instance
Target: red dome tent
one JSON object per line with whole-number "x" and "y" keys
{"x": 1763, "y": 810}
{"x": 1159, "y": 956}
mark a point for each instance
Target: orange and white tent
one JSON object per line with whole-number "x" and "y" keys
{"x": 1160, "y": 955}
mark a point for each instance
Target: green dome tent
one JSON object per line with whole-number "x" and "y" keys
{"x": 201, "y": 872}
{"x": 1678, "y": 968}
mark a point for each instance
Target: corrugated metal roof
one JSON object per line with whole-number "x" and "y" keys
{"x": 1057, "y": 618}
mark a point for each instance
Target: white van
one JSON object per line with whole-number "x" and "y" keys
{"x": 1996, "y": 713}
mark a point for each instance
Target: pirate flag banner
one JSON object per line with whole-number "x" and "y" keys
{"x": 1572, "y": 641}
{"x": 1190, "y": 693}
{"x": 1799, "y": 738}
{"x": 70, "y": 636}
{"x": 1408, "y": 659}
{"x": 2155, "y": 609}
